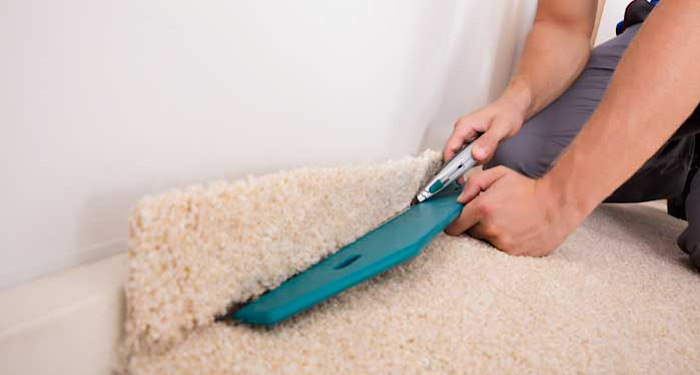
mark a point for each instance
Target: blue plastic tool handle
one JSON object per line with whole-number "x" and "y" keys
{"x": 379, "y": 250}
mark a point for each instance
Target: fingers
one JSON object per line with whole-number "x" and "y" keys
{"x": 485, "y": 146}
{"x": 463, "y": 132}
{"x": 497, "y": 238}
{"x": 468, "y": 127}
{"x": 470, "y": 216}
{"x": 476, "y": 208}
{"x": 480, "y": 181}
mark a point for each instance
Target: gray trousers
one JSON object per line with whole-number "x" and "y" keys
{"x": 665, "y": 175}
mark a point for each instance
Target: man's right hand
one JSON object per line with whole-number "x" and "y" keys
{"x": 495, "y": 122}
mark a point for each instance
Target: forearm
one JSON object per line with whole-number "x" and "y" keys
{"x": 551, "y": 60}
{"x": 556, "y": 50}
{"x": 654, "y": 89}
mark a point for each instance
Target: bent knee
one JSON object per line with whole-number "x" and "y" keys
{"x": 525, "y": 154}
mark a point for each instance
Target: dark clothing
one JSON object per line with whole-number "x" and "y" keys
{"x": 665, "y": 175}
{"x": 635, "y": 13}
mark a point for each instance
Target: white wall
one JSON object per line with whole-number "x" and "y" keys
{"x": 102, "y": 102}
{"x": 613, "y": 13}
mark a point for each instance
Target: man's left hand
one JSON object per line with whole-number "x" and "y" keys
{"x": 516, "y": 214}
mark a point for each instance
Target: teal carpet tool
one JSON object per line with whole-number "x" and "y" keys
{"x": 392, "y": 243}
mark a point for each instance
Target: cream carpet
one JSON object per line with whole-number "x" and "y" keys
{"x": 617, "y": 297}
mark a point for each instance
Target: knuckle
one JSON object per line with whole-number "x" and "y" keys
{"x": 475, "y": 187}
{"x": 483, "y": 126}
{"x": 507, "y": 244}
{"x": 470, "y": 182}
{"x": 507, "y": 123}
{"x": 484, "y": 208}
{"x": 461, "y": 122}
{"x": 490, "y": 232}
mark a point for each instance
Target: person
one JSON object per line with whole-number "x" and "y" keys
{"x": 576, "y": 126}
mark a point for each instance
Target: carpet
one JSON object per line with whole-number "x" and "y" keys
{"x": 618, "y": 297}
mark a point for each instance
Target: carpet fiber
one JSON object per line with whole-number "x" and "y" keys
{"x": 617, "y": 297}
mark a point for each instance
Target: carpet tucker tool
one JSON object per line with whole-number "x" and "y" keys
{"x": 392, "y": 243}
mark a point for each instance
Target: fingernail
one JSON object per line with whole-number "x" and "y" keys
{"x": 461, "y": 198}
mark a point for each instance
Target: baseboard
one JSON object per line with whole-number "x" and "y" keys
{"x": 68, "y": 323}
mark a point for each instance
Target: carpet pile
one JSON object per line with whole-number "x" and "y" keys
{"x": 617, "y": 297}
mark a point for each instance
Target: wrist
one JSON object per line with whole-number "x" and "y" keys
{"x": 563, "y": 203}
{"x": 518, "y": 95}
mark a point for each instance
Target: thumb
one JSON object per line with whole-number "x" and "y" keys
{"x": 485, "y": 146}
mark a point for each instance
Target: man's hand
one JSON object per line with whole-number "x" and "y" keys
{"x": 498, "y": 120}
{"x": 516, "y": 214}
{"x": 556, "y": 50}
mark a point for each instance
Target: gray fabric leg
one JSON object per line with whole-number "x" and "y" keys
{"x": 543, "y": 137}
{"x": 532, "y": 151}
{"x": 534, "y": 148}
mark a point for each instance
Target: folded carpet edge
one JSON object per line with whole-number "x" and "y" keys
{"x": 196, "y": 251}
